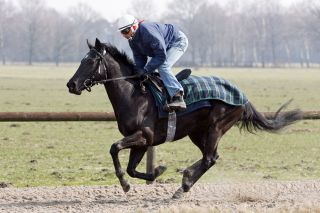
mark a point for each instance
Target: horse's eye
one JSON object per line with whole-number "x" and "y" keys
{"x": 90, "y": 61}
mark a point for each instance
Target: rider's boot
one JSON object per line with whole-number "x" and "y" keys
{"x": 177, "y": 103}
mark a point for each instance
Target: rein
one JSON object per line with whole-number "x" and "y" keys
{"x": 88, "y": 83}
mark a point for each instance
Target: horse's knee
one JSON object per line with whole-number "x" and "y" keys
{"x": 114, "y": 149}
{"x": 187, "y": 173}
{"x": 209, "y": 162}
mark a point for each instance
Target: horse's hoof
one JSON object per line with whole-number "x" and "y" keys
{"x": 126, "y": 187}
{"x": 178, "y": 194}
{"x": 160, "y": 170}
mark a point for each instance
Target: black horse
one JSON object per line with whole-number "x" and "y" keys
{"x": 138, "y": 120}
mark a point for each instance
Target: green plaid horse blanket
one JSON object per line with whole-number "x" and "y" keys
{"x": 198, "y": 88}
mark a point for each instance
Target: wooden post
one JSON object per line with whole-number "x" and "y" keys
{"x": 151, "y": 159}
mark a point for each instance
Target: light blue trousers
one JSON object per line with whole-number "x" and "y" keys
{"x": 173, "y": 54}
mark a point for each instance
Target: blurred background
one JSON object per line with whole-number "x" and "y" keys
{"x": 234, "y": 33}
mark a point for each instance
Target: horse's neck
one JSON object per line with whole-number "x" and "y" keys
{"x": 120, "y": 91}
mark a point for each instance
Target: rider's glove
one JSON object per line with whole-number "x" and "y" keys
{"x": 142, "y": 74}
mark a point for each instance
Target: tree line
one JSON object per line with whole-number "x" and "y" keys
{"x": 236, "y": 34}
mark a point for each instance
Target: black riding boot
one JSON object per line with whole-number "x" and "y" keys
{"x": 177, "y": 103}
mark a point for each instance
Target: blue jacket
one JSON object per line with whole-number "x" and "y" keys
{"x": 153, "y": 40}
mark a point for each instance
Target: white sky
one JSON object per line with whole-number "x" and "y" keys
{"x": 113, "y": 9}
{"x": 109, "y": 9}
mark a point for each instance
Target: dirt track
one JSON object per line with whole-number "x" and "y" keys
{"x": 257, "y": 196}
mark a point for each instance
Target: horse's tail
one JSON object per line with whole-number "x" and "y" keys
{"x": 252, "y": 120}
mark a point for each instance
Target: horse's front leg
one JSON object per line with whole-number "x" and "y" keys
{"x": 136, "y": 155}
{"x": 136, "y": 139}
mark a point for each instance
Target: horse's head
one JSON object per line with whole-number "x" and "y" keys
{"x": 91, "y": 70}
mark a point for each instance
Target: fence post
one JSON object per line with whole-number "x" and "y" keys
{"x": 151, "y": 159}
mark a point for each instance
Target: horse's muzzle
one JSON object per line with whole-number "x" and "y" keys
{"x": 73, "y": 88}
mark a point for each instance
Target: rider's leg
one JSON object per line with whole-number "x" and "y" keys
{"x": 172, "y": 85}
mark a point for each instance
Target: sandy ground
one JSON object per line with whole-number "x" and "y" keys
{"x": 273, "y": 196}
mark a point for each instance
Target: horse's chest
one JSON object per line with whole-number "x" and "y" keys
{"x": 128, "y": 126}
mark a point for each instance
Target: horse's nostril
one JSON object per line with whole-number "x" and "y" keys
{"x": 71, "y": 85}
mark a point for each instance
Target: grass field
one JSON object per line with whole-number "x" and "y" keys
{"x": 73, "y": 153}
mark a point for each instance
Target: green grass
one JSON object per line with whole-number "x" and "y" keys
{"x": 77, "y": 153}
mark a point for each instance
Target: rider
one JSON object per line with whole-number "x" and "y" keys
{"x": 164, "y": 44}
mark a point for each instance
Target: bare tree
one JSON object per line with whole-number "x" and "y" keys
{"x": 217, "y": 32}
{"x": 306, "y": 30}
{"x": 314, "y": 8}
{"x": 144, "y": 9}
{"x": 259, "y": 26}
{"x": 6, "y": 14}
{"x": 183, "y": 13}
{"x": 58, "y": 32}
{"x": 209, "y": 26}
{"x": 32, "y": 12}
{"x": 274, "y": 27}
{"x": 82, "y": 18}
{"x": 233, "y": 33}
{"x": 290, "y": 35}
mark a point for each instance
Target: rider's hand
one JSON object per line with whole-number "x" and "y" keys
{"x": 142, "y": 74}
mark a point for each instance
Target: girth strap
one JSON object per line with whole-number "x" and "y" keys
{"x": 172, "y": 121}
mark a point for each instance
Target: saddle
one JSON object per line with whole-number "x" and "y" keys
{"x": 154, "y": 81}
{"x": 157, "y": 82}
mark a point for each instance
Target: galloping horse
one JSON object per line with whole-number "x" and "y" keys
{"x": 139, "y": 123}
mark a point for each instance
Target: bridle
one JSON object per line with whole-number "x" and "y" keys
{"x": 90, "y": 82}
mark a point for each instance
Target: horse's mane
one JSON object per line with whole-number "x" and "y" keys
{"x": 119, "y": 56}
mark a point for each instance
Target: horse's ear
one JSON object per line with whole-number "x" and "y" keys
{"x": 98, "y": 44}
{"x": 89, "y": 45}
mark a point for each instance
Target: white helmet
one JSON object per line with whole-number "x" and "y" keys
{"x": 126, "y": 21}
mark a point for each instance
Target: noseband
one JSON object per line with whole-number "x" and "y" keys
{"x": 90, "y": 82}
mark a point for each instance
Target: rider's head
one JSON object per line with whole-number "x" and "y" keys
{"x": 127, "y": 25}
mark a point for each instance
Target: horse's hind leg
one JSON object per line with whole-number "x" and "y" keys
{"x": 208, "y": 144}
{"x": 136, "y": 155}
{"x": 193, "y": 173}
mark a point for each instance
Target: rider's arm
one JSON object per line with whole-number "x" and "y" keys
{"x": 139, "y": 60}
{"x": 157, "y": 44}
